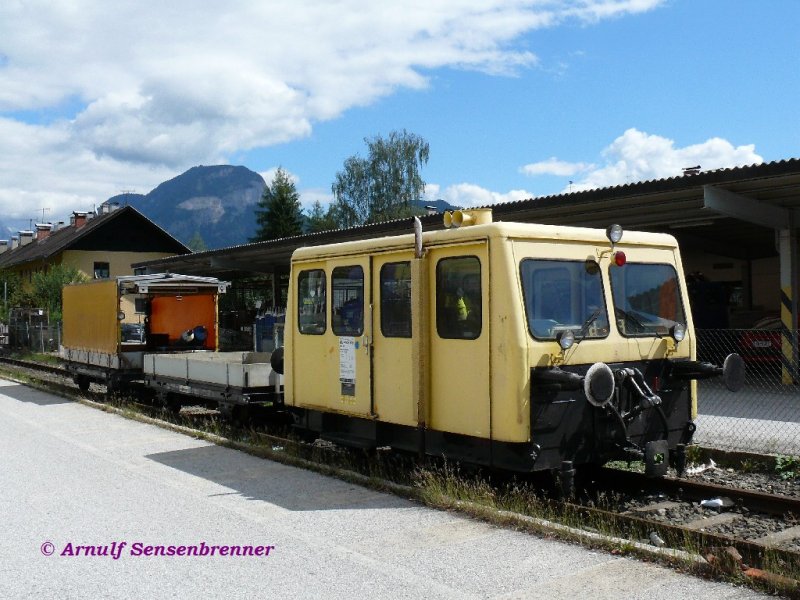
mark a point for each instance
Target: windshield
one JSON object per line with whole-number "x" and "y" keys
{"x": 646, "y": 299}
{"x": 564, "y": 295}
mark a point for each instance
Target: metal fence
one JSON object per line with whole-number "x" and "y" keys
{"x": 34, "y": 337}
{"x": 764, "y": 416}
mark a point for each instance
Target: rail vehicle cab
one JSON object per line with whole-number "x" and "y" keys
{"x": 524, "y": 347}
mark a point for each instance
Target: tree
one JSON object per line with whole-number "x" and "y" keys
{"x": 197, "y": 244}
{"x": 45, "y": 289}
{"x": 320, "y": 219}
{"x": 384, "y": 185}
{"x": 278, "y": 213}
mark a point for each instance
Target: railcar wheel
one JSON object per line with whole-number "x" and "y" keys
{"x": 83, "y": 382}
{"x": 112, "y": 386}
{"x": 566, "y": 477}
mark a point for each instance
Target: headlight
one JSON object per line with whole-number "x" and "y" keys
{"x": 678, "y": 332}
{"x": 565, "y": 339}
{"x": 614, "y": 233}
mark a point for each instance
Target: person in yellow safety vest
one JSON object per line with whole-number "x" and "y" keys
{"x": 462, "y": 311}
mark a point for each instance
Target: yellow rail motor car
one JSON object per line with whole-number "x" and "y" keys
{"x": 520, "y": 346}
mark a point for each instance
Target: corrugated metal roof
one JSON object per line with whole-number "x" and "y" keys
{"x": 673, "y": 205}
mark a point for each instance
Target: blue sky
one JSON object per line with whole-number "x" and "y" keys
{"x": 516, "y": 99}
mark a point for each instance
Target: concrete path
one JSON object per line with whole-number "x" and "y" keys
{"x": 73, "y": 476}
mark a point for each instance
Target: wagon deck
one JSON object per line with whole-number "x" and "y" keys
{"x": 230, "y": 378}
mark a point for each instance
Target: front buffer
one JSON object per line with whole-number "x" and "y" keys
{"x": 591, "y": 414}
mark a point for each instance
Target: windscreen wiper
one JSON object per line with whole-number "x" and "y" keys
{"x": 586, "y": 324}
{"x": 630, "y": 316}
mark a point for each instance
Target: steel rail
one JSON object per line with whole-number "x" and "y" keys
{"x": 753, "y": 500}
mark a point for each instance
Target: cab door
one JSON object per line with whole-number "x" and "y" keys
{"x": 331, "y": 344}
{"x": 460, "y": 387}
{"x": 392, "y": 349}
{"x": 351, "y": 336}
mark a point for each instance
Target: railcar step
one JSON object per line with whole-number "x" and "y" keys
{"x": 348, "y": 439}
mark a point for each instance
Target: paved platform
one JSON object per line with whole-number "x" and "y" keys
{"x": 73, "y": 476}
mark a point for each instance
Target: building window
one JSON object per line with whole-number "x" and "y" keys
{"x": 101, "y": 270}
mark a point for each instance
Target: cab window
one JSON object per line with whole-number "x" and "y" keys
{"x": 311, "y": 298}
{"x": 459, "y": 298}
{"x": 647, "y": 299}
{"x": 564, "y": 295}
{"x": 396, "y": 299}
{"x": 347, "y": 309}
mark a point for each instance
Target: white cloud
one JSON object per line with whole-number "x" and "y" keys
{"x": 638, "y": 156}
{"x": 553, "y": 166}
{"x": 52, "y": 173}
{"x": 469, "y": 195}
{"x": 156, "y": 88}
{"x": 634, "y": 156}
{"x": 270, "y": 173}
{"x": 309, "y": 196}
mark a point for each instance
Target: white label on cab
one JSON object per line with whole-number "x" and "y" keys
{"x": 347, "y": 365}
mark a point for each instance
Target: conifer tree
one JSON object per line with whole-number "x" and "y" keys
{"x": 197, "y": 243}
{"x": 319, "y": 219}
{"x": 278, "y": 213}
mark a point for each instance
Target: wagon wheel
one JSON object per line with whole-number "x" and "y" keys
{"x": 168, "y": 402}
{"x": 235, "y": 413}
{"x": 82, "y": 381}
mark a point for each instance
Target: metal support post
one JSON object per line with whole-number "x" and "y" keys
{"x": 788, "y": 258}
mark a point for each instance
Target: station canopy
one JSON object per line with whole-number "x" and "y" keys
{"x": 729, "y": 212}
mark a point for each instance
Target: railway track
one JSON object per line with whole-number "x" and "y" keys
{"x": 34, "y": 366}
{"x": 697, "y": 491}
{"x": 663, "y": 512}
{"x": 761, "y": 527}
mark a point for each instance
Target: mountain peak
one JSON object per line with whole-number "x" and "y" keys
{"x": 215, "y": 201}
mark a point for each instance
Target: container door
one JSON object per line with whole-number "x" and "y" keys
{"x": 459, "y": 281}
